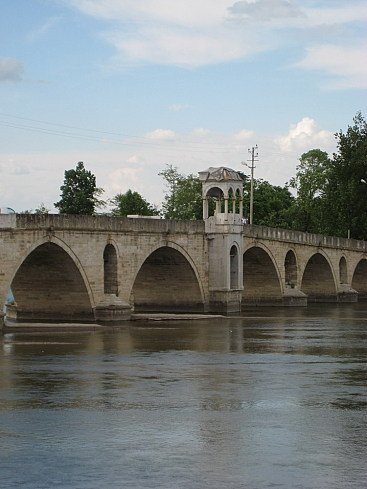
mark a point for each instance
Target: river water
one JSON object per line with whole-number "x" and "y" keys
{"x": 244, "y": 402}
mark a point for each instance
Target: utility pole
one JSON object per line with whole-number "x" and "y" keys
{"x": 254, "y": 153}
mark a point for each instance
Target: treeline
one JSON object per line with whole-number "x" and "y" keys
{"x": 328, "y": 195}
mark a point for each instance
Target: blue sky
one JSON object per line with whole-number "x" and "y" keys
{"x": 128, "y": 86}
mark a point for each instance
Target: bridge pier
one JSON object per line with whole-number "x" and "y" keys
{"x": 294, "y": 297}
{"x": 347, "y": 294}
{"x": 225, "y": 301}
{"x": 112, "y": 309}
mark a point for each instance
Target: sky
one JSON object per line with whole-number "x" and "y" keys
{"x": 130, "y": 86}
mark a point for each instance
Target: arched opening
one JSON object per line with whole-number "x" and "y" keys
{"x": 215, "y": 201}
{"x": 233, "y": 267}
{"x": 290, "y": 268}
{"x": 359, "y": 281}
{"x": 49, "y": 287}
{"x": 343, "y": 276}
{"x": 167, "y": 282}
{"x": 318, "y": 281}
{"x": 260, "y": 279}
{"x": 110, "y": 270}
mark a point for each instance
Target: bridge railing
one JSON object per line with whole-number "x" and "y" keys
{"x": 98, "y": 223}
{"x": 287, "y": 235}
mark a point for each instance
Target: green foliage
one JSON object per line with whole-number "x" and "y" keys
{"x": 41, "y": 209}
{"x": 273, "y": 205}
{"x": 346, "y": 193}
{"x": 183, "y": 196}
{"x": 132, "y": 203}
{"x": 79, "y": 194}
{"x": 310, "y": 183}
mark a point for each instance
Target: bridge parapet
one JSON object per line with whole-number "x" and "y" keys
{"x": 99, "y": 223}
{"x": 299, "y": 237}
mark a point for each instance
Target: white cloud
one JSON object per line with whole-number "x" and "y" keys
{"x": 201, "y": 132}
{"x": 265, "y": 10}
{"x": 161, "y": 135}
{"x": 347, "y": 64}
{"x": 197, "y": 33}
{"x": 123, "y": 179}
{"x": 243, "y": 135}
{"x": 182, "y": 47}
{"x": 304, "y": 135}
{"x": 10, "y": 70}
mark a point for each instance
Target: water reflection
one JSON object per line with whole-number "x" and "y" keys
{"x": 252, "y": 402}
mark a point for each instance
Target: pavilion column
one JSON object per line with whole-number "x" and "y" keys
{"x": 205, "y": 208}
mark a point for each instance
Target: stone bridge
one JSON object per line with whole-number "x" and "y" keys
{"x": 75, "y": 268}
{"x": 99, "y": 268}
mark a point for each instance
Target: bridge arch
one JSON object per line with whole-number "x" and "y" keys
{"x": 167, "y": 280}
{"x": 359, "y": 279}
{"x": 261, "y": 277}
{"x": 49, "y": 283}
{"x": 318, "y": 280}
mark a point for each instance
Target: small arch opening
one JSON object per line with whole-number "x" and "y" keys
{"x": 233, "y": 266}
{"x": 290, "y": 268}
{"x": 343, "y": 275}
{"x": 110, "y": 270}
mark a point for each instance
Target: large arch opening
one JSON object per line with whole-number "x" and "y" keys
{"x": 233, "y": 267}
{"x": 260, "y": 279}
{"x": 290, "y": 269}
{"x": 49, "y": 287}
{"x": 318, "y": 281}
{"x": 167, "y": 282}
{"x": 110, "y": 270}
{"x": 359, "y": 281}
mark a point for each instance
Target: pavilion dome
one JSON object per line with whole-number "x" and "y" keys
{"x": 220, "y": 174}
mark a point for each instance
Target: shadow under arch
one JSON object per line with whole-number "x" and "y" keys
{"x": 261, "y": 279}
{"x": 318, "y": 281}
{"x": 49, "y": 284}
{"x": 343, "y": 271}
{"x": 233, "y": 266}
{"x": 110, "y": 269}
{"x": 290, "y": 269}
{"x": 359, "y": 279}
{"x": 167, "y": 281}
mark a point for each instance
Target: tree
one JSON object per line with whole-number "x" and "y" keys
{"x": 310, "y": 183}
{"x": 79, "y": 194}
{"x": 132, "y": 203}
{"x": 273, "y": 205}
{"x": 346, "y": 192}
{"x": 41, "y": 209}
{"x": 183, "y": 196}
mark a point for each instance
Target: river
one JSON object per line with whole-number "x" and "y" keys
{"x": 276, "y": 399}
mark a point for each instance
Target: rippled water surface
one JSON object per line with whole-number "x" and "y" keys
{"x": 257, "y": 402}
